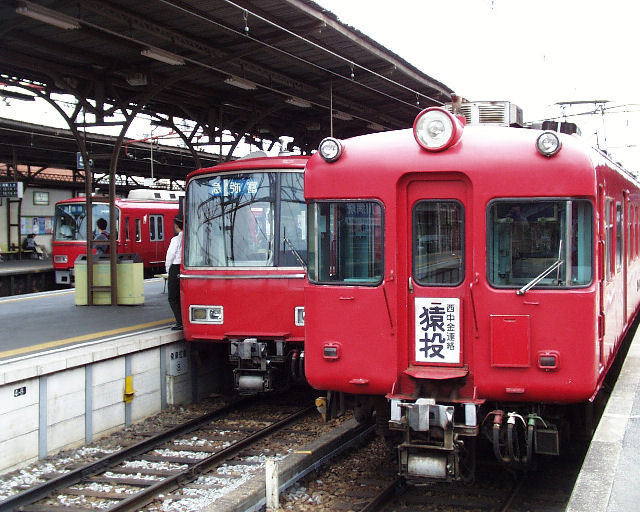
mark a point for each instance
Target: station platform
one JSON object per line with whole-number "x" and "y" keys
{"x": 26, "y": 276}
{"x": 71, "y": 374}
{"x": 608, "y": 480}
{"x": 46, "y": 320}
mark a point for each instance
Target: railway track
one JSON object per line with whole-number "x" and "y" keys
{"x": 167, "y": 466}
{"x": 364, "y": 481}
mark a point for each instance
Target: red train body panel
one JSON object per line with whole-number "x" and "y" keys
{"x": 437, "y": 316}
{"x": 145, "y": 227}
{"x": 242, "y": 275}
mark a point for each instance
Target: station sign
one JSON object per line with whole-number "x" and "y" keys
{"x": 11, "y": 189}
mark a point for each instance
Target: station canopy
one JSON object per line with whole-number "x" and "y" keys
{"x": 259, "y": 70}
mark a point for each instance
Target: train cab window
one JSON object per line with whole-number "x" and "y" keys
{"x": 438, "y": 234}
{"x": 549, "y": 241}
{"x": 346, "y": 243}
{"x": 70, "y": 221}
{"x": 155, "y": 228}
{"x": 246, "y": 219}
{"x": 293, "y": 221}
{"x": 138, "y": 230}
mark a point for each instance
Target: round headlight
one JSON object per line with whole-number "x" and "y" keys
{"x": 548, "y": 144}
{"x": 436, "y": 129}
{"x": 330, "y": 149}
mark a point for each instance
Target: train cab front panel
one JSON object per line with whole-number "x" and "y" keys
{"x": 489, "y": 306}
{"x": 243, "y": 267}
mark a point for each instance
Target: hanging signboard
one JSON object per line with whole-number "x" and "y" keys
{"x": 11, "y": 189}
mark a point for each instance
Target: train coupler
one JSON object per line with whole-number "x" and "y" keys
{"x": 434, "y": 439}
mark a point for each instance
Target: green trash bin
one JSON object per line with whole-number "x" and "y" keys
{"x": 101, "y": 277}
{"x": 130, "y": 279}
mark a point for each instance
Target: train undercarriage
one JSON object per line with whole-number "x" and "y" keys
{"x": 436, "y": 440}
{"x": 265, "y": 365}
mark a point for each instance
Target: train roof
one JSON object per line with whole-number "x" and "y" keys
{"x": 266, "y": 162}
{"x": 498, "y": 157}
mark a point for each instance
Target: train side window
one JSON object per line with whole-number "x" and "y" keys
{"x": 608, "y": 238}
{"x": 155, "y": 228}
{"x": 630, "y": 242}
{"x": 438, "y": 243}
{"x": 138, "y": 230}
{"x": 126, "y": 229}
{"x": 619, "y": 237}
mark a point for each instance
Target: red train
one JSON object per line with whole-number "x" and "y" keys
{"x": 243, "y": 267}
{"x": 468, "y": 280}
{"x": 145, "y": 219}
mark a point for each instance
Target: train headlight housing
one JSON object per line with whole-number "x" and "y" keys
{"x": 60, "y": 258}
{"x": 206, "y": 315}
{"x": 330, "y": 149}
{"x": 548, "y": 144}
{"x": 435, "y": 129}
{"x": 299, "y": 316}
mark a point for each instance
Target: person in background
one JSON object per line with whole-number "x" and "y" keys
{"x": 172, "y": 264}
{"x": 101, "y": 224}
{"x": 29, "y": 244}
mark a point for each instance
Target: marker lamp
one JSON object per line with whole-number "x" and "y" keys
{"x": 330, "y": 149}
{"x": 548, "y": 144}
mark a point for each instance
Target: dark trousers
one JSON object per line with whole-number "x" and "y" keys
{"x": 173, "y": 289}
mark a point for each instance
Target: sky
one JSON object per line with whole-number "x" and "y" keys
{"x": 534, "y": 53}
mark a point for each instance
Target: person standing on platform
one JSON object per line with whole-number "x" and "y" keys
{"x": 101, "y": 224}
{"x": 172, "y": 264}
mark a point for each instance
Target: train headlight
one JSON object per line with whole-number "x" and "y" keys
{"x": 330, "y": 149}
{"x": 435, "y": 129}
{"x": 299, "y": 316}
{"x": 548, "y": 144}
{"x": 206, "y": 314}
{"x": 60, "y": 258}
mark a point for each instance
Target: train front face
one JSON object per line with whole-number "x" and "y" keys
{"x": 243, "y": 267}
{"x": 70, "y": 234}
{"x": 454, "y": 290}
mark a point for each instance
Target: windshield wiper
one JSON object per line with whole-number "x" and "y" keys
{"x": 295, "y": 252}
{"x": 555, "y": 265}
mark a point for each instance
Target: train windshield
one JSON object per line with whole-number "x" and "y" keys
{"x": 71, "y": 220}
{"x": 545, "y": 242}
{"x": 252, "y": 219}
{"x": 346, "y": 243}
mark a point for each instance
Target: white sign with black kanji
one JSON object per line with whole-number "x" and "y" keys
{"x": 437, "y": 330}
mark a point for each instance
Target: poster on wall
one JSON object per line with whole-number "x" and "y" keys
{"x": 36, "y": 225}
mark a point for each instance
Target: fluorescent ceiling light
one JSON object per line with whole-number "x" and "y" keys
{"x": 375, "y": 126}
{"x": 247, "y": 85}
{"x": 298, "y": 102}
{"x": 57, "y": 19}
{"x": 163, "y": 56}
{"x": 341, "y": 115}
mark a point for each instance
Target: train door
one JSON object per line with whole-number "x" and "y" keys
{"x": 436, "y": 243}
{"x": 156, "y": 238}
{"x": 127, "y": 246}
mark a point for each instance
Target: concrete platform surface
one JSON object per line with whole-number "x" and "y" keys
{"x": 609, "y": 477}
{"x": 48, "y": 320}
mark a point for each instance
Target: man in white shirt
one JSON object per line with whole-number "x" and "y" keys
{"x": 172, "y": 264}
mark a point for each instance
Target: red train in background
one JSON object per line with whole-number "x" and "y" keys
{"x": 243, "y": 267}
{"x": 145, "y": 227}
{"x": 466, "y": 281}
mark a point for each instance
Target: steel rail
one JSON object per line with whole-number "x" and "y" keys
{"x": 43, "y": 490}
{"x": 188, "y": 475}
